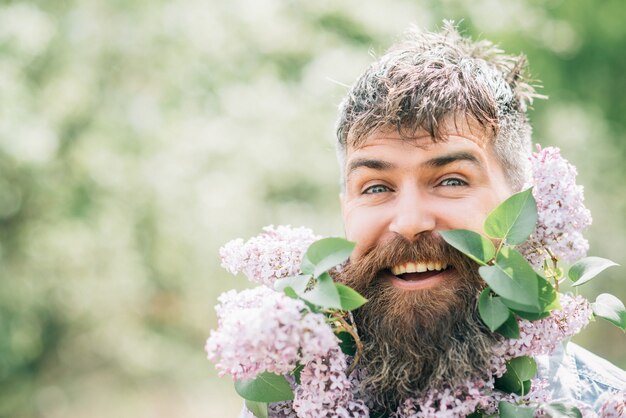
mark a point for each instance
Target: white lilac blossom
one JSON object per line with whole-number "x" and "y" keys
{"x": 273, "y": 254}
{"x": 562, "y": 215}
{"x": 544, "y": 335}
{"x": 260, "y": 330}
{"x": 326, "y": 391}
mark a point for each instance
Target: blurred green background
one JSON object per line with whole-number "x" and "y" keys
{"x": 136, "y": 137}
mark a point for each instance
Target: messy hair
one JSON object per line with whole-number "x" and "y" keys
{"x": 430, "y": 76}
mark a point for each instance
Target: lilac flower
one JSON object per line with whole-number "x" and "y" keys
{"x": 464, "y": 398}
{"x": 448, "y": 402}
{"x": 326, "y": 391}
{"x": 260, "y": 330}
{"x": 562, "y": 215}
{"x": 614, "y": 406}
{"x": 544, "y": 335}
{"x": 273, "y": 254}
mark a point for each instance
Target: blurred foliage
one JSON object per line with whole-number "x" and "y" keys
{"x": 136, "y": 137}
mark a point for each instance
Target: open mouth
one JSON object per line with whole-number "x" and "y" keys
{"x": 418, "y": 274}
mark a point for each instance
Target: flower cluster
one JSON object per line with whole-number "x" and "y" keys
{"x": 467, "y": 397}
{"x": 561, "y": 213}
{"x": 544, "y": 335}
{"x": 274, "y": 254}
{"x": 325, "y": 390}
{"x": 614, "y": 406}
{"x": 260, "y": 330}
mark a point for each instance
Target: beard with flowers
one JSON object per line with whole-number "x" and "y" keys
{"x": 424, "y": 353}
{"x": 414, "y": 341}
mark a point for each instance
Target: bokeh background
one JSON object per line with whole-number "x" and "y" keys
{"x": 137, "y": 136}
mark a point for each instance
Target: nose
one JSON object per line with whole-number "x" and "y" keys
{"x": 413, "y": 214}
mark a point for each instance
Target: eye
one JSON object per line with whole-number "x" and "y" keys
{"x": 377, "y": 188}
{"x": 453, "y": 182}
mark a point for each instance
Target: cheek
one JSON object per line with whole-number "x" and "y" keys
{"x": 363, "y": 226}
{"x": 464, "y": 214}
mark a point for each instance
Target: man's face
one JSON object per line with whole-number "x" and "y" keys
{"x": 409, "y": 188}
{"x": 420, "y": 327}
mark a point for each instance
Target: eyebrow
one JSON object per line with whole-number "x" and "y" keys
{"x": 452, "y": 158}
{"x": 437, "y": 162}
{"x": 373, "y": 164}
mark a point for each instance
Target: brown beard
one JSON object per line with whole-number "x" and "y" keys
{"x": 415, "y": 340}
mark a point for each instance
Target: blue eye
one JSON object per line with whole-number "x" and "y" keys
{"x": 453, "y": 182}
{"x": 377, "y": 188}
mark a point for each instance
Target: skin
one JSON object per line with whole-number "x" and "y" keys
{"x": 411, "y": 187}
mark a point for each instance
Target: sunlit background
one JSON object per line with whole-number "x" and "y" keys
{"x": 136, "y": 137}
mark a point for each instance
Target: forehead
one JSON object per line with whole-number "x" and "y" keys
{"x": 454, "y": 135}
{"x": 459, "y": 126}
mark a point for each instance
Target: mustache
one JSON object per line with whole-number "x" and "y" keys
{"x": 429, "y": 246}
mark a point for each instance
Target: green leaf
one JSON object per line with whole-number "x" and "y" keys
{"x": 524, "y": 367}
{"x": 347, "y": 343}
{"x": 509, "y": 410}
{"x": 470, "y": 243}
{"x": 325, "y": 254}
{"x": 510, "y": 329}
{"x": 324, "y": 293}
{"x": 531, "y": 316}
{"x": 512, "y": 278}
{"x": 514, "y": 219}
{"x": 290, "y": 292}
{"x": 547, "y": 297}
{"x": 586, "y": 269}
{"x": 258, "y": 409}
{"x": 560, "y": 410}
{"x": 297, "y": 372}
{"x": 266, "y": 387}
{"x": 492, "y": 311}
{"x": 610, "y": 308}
{"x": 517, "y": 377}
{"x": 297, "y": 283}
{"x": 349, "y": 298}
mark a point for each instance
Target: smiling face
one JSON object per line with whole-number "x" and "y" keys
{"x": 411, "y": 188}
{"x": 420, "y": 327}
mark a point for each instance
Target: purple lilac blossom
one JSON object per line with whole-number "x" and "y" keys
{"x": 326, "y": 391}
{"x": 271, "y": 255}
{"x": 562, "y": 215}
{"x": 260, "y": 330}
{"x": 466, "y": 398}
{"x": 544, "y": 335}
{"x": 614, "y": 406}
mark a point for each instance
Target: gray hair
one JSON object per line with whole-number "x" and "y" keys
{"x": 429, "y": 76}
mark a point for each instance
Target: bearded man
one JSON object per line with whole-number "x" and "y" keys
{"x": 432, "y": 137}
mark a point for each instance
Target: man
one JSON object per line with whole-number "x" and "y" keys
{"x": 432, "y": 137}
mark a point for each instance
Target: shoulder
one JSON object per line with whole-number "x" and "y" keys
{"x": 593, "y": 368}
{"x": 576, "y": 374}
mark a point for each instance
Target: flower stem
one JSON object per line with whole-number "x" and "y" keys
{"x": 350, "y": 329}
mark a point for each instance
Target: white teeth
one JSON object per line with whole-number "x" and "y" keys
{"x": 418, "y": 267}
